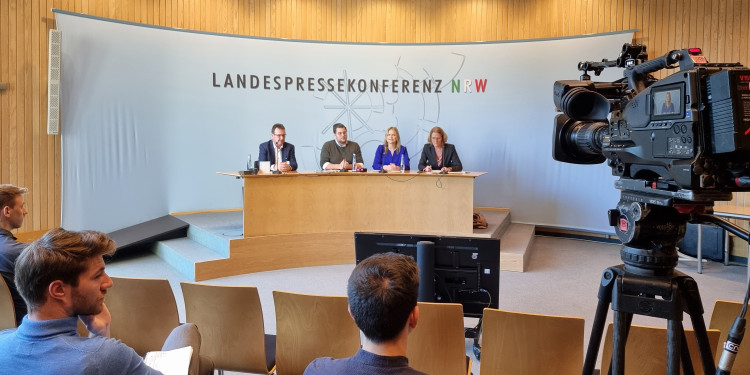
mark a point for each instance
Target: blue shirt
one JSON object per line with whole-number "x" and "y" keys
{"x": 53, "y": 347}
{"x": 388, "y": 158}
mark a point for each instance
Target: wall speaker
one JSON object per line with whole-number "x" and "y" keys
{"x": 53, "y": 82}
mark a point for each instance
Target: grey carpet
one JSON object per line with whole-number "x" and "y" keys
{"x": 562, "y": 279}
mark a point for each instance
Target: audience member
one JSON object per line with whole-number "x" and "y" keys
{"x": 439, "y": 155}
{"x": 61, "y": 277}
{"x": 277, "y": 150}
{"x": 391, "y": 153}
{"x": 12, "y": 212}
{"x": 382, "y": 294}
{"x": 337, "y": 153}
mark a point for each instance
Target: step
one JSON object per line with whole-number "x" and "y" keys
{"x": 497, "y": 223}
{"x": 210, "y": 239}
{"x": 214, "y": 229}
{"x": 515, "y": 247}
{"x": 183, "y": 253}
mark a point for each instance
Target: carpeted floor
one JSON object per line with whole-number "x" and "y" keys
{"x": 562, "y": 279}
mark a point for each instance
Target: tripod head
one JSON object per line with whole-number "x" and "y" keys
{"x": 650, "y": 221}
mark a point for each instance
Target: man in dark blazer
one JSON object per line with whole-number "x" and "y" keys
{"x": 268, "y": 150}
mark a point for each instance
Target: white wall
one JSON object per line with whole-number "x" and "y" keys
{"x": 144, "y": 129}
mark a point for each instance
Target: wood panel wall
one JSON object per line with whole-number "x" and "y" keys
{"x": 31, "y": 158}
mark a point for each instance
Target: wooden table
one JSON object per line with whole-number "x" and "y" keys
{"x": 314, "y": 202}
{"x": 304, "y": 219}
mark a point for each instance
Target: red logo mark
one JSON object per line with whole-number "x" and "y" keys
{"x": 623, "y": 224}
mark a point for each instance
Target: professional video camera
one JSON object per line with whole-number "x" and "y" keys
{"x": 686, "y": 136}
{"x": 678, "y": 145}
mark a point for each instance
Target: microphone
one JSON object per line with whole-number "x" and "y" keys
{"x": 731, "y": 346}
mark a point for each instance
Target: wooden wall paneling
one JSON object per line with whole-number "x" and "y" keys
{"x": 36, "y": 140}
{"x": 715, "y": 25}
{"x": 32, "y": 158}
{"x": 27, "y": 68}
{"x": 13, "y": 62}
{"x": 745, "y": 33}
{"x": 5, "y": 100}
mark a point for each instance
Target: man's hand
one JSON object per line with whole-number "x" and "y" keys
{"x": 428, "y": 168}
{"x": 98, "y": 324}
{"x": 284, "y": 167}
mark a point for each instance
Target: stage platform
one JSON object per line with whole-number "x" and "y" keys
{"x": 214, "y": 245}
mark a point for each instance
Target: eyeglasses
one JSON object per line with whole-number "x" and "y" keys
{"x": 280, "y": 135}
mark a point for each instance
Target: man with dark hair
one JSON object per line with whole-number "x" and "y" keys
{"x": 338, "y": 152}
{"x": 62, "y": 279}
{"x": 278, "y": 151}
{"x": 12, "y": 212}
{"x": 382, "y": 294}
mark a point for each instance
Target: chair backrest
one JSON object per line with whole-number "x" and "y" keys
{"x": 230, "y": 320}
{"x": 143, "y": 311}
{"x": 438, "y": 346}
{"x": 312, "y": 326}
{"x": 522, "y": 343}
{"x": 722, "y": 319}
{"x": 7, "y": 310}
{"x": 646, "y": 350}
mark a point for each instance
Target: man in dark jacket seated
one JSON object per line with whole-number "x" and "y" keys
{"x": 382, "y": 294}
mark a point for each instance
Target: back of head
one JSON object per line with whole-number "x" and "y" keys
{"x": 59, "y": 255}
{"x": 382, "y": 293}
{"x": 8, "y": 194}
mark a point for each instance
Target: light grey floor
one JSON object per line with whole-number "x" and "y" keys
{"x": 562, "y": 279}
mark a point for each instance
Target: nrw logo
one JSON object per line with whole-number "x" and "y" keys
{"x": 468, "y": 85}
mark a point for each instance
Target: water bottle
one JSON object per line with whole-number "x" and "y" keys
{"x": 402, "y": 163}
{"x": 354, "y": 162}
{"x": 249, "y": 162}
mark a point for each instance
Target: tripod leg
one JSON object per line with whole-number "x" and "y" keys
{"x": 620, "y": 330}
{"x": 694, "y": 308}
{"x": 674, "y": 344}
{"x": 687, "y": 362}
{"x": 605, "y": 297}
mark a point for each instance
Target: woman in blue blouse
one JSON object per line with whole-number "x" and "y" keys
{"x": 389, "y": 155}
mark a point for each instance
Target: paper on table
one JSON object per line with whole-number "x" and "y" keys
{"x": 170, "y": 362}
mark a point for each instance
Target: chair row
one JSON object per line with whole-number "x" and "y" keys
{"x": 230, "y": 320}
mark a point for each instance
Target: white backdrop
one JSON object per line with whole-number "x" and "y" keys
{"x": 149, "y": 116}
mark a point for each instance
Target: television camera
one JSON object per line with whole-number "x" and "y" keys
{"x": 677, "y": 144}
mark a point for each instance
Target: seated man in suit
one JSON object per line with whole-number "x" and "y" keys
{"x": 278, "y": 151}
{"x": 61, "y": 277}
{"x": 338, "y": 152}
{"x": 12, "y": 213}
{"x": 382, "y": 295}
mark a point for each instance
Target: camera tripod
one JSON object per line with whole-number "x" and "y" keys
{"x": 647, "y": 284}
{"x": 631, "y": 293}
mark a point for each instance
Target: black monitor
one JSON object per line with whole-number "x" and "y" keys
{"x": 467, "y": 270}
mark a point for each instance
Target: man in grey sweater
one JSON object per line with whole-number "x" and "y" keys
{"x": 337, "y": 153}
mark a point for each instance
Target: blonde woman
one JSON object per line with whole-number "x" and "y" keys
{"x": 391, "y": 153}
{"x": 438, "y": 155}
